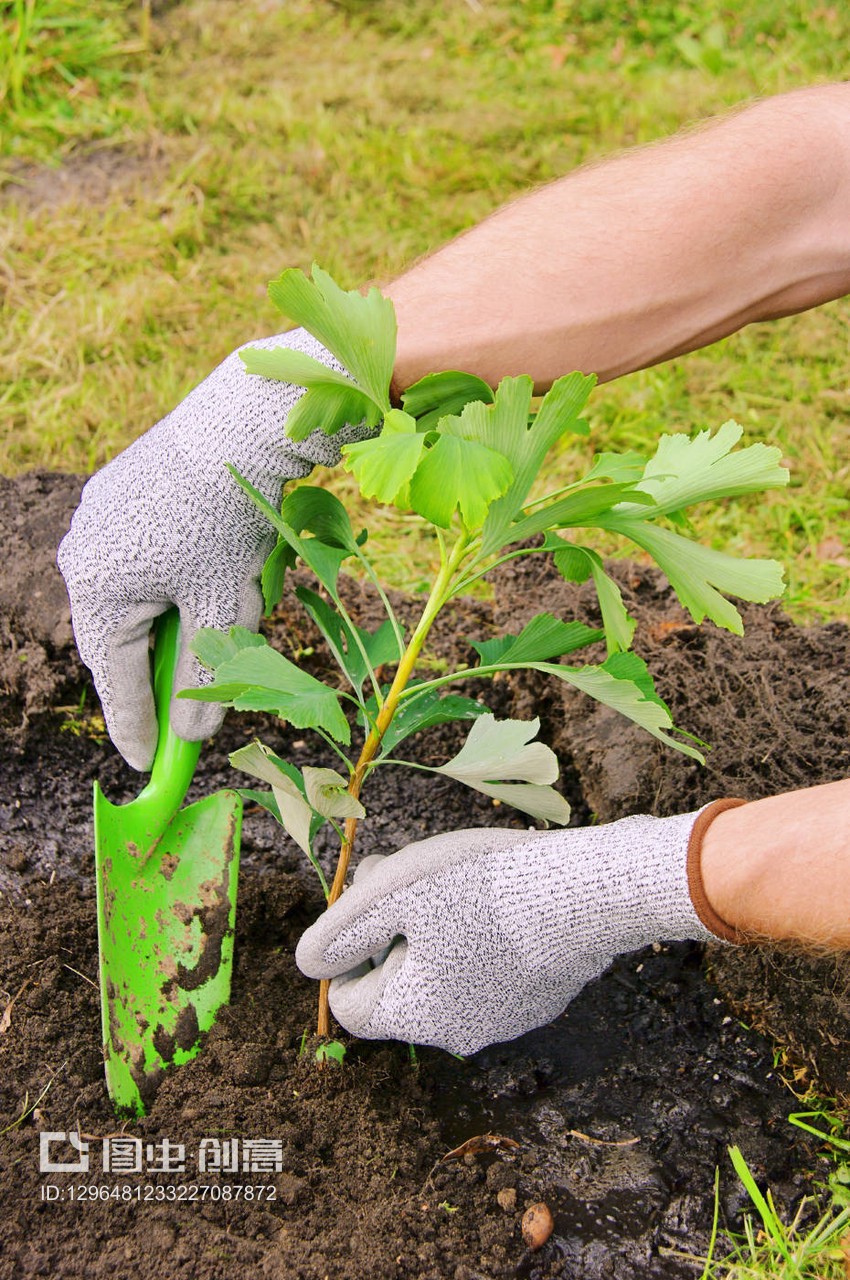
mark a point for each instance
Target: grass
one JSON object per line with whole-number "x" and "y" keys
{"x": 362, "y": 135}
{"x": 814, "y": 1245}
{"x": 243, "y": 138}
{"x": 63, "y": 72}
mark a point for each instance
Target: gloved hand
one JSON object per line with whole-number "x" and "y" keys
{"x": 493, "y": 932}
{"x": 165, "y": 523}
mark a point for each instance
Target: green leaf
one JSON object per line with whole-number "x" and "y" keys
{"x": 497, "y": 750}
{"x": 213, "y": 647}
{"x": 328, "y": 407}
{"x": 584, "y": 508}
{"x": 264, "y": 680}
{"x": 260, "y": 762}
{"x": 380, "y": 646}
{"x": 577, "y": 564}
{"x": 424, "y": 711}
{"x": 572, "y": 562}
{"x": 699, "y": 574}
{"x": 265, "y": 799}
{"x": 325, "y": 560}
{"x": 360, "y": 331}
{"x": 288, "y": 365}
{"x": 279, "y": 559}
{"x": 333, "y": 1051}
{"x": 619, "y": 625}
{"x": 457, "y": 473}
{"x": 526, "y": 446}
{"x": 545, "y": 636}
{"x": 287, "y": 801}
{"x": 319, "y": 512}
{"x": 684, "y": 471}
{"x": 623, "y": 683}
{"x": 327, "y": 792}
{"x": 384, "y": 465}
{"x": 438, "y": 394}
{"x": 543, "y": 803}
{"x": 624, "y": 468}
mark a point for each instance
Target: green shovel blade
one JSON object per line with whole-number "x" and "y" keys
{"x": 166, "y": 908}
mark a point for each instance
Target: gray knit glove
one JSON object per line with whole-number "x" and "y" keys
{"x": 493, "y": 932}
{"x": 165, "y": 523}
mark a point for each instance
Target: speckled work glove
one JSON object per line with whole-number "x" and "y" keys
{"x": 493, "y": 932}
{"x": 165, "y": 523}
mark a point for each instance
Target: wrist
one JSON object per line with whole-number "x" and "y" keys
{"x": 717, "y": 875}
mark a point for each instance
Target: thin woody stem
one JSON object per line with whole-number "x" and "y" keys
{"x": 440, "y": 592}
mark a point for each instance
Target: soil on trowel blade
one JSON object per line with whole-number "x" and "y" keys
{"x": 621, "y": 1109}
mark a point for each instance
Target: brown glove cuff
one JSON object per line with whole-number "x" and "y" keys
{"x": 702, "y": 906}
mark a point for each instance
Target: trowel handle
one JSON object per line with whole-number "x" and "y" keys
{"x": 175, "y": 759}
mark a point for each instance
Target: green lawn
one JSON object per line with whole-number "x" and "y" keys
{"x": 247, "y": 137}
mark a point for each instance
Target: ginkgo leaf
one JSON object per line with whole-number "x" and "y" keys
{"x": 360, "y": 330}
{"x": 296, "y": 815}
{"x": 702, "y": 468}
{"x": 423, "y": 711}
{"x": 329, "y": 407}
{"x": 437, "y": 394}
{"x": 290, "y": 805}
{"x": 500, "y": 754}
{"x": 543, "y": 803}
{"x": 581, "y": 509}
{"x": 286, "y": 364}
{"x": 324, "y": 559}
{"x": 500, "y": 749}
{"x": 261, "y": 679}
{"x": 320, "y": 512}
{"x": 214, "y": 647}
{"x": 545, "y": 636}
{"x": 623, "y": 467}
{"x": 273, "y": 576}
{"x": 698, "y": 574}
{"x": 384, "y": 465}
{"x": 577, "y": 564}
{"x": 626, "y": 686}
{"x": 257, "y": 760}
{"x": 328, "y": 794}
{"x": 525, "y": 446}
{"x": 458, "y": 474}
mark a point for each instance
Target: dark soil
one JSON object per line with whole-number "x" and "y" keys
{"x": 622, "y": 1108}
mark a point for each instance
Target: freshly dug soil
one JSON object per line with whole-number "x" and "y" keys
{"x": 621, "y": 1109}
{"x": 774, "y": 708}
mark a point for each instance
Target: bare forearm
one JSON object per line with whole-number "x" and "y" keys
{"x": 780, "y": 868}
{"x": 651, "y": 254}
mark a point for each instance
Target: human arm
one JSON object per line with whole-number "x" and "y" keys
{"x": 659, "y": 251}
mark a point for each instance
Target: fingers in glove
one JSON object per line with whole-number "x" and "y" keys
{"x": 122, "y": 675}
{"x": 347, "y": 934}
{"x": 379, "y": 907}
{"x": 355, "y": 997}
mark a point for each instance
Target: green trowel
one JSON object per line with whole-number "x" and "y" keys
{"x": 166, "y": 907}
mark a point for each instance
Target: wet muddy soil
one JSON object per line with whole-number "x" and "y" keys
{"x": 621, "y": 1109}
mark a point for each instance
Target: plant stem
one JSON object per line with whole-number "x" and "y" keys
{"x": 440, "y": 593}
